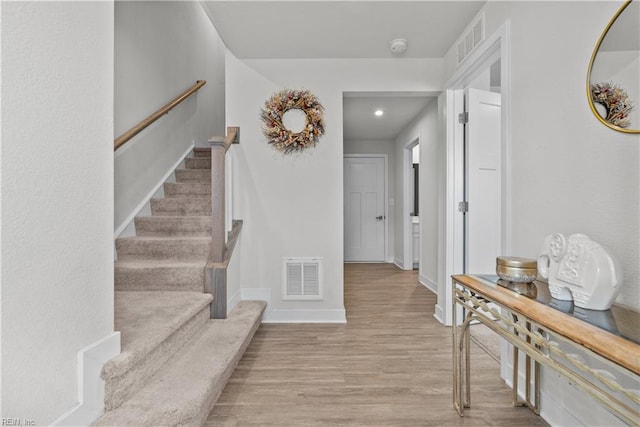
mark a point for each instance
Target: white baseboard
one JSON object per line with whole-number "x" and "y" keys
{"x": 304, "y": 316}
{"x": 398, "y": 262}
{"x": 127, "y": 227}
{"x": 428, "y": 283}
{"x": 234, "y": 300}
{"x": 90, "y": 405}
{"x": 257, "y": 294}
{"x": 440, "y": 315}
{"x": 286, "y": 316}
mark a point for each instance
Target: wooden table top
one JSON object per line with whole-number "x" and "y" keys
{"x": 617, "y": 345}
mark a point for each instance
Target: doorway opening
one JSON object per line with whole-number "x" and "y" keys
{"x": 487, "y": 71}
{"x": 411, "y": 208}
{"x": 379, "y": 125}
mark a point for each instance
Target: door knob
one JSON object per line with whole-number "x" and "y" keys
{"x": 380, "y": 217}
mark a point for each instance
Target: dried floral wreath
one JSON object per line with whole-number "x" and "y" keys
{"x": 281, "y": 138}
{"x": 615, "y": 101}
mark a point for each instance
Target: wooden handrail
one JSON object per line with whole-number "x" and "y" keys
{"x": 122, "y": 139}
{"x": 233, "y": 137}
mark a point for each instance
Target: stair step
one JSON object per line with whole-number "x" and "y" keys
{"x": 187, "y": 189}
{"x": 153, "y": 327}
{"x": 159, "y": 276}
{"x": 181, "y": 206}
{"x": 189, "y": 175}
{"x": 197, "y": 163}
{"x": 185, "y": 390}
{"x": 202, "y": 152}
{"x": 163, "y": 248}
{"x": 173, "y": 226}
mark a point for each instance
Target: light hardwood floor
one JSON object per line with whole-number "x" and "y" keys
{"x": 390, "y": 365}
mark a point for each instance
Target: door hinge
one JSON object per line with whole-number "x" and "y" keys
{"x": 463, "y": 118}
{"x": 463, "y": 207}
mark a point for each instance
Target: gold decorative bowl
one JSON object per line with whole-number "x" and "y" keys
{"x": 517, "y": 270}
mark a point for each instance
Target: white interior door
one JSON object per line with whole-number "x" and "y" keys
{"x": 364, "y": 209}
{"x": 482, "y": 181}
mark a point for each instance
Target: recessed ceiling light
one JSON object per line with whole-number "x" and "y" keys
{"x": 378, "y": 113}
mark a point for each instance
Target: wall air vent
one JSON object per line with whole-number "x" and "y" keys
{"x": 302, "y": 278}
{"x": 472, "y": 36}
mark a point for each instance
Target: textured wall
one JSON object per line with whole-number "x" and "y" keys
{"x": 569, "y": 173}
{"x": 425, "y": 125}
{"x": 57, "y": 199}
{"x": 293, "y": 206}
{"x": 161, "y": 49}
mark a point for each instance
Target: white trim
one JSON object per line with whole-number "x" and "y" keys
{"x": 305, "y": 316}
{"x": 439, "y": 314}
{"x": 496, "y": 46}
{"x": 428, "y": 283}
{"x": 407, "y": 232}
{"x": 256, "y": 294}
{"x": 398, "y": 263}
{"x": 127, "y": 224}
{"x": 385, "y": 197}
{"x": 91, "y": 359}
{"x": 291, "y": 316}
{"x": 234, "y": 300}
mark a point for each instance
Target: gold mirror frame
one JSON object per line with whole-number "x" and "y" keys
{"x": 593, "y": 58}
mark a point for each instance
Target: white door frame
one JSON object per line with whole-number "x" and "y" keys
{"x": 385, "y": 197}
{"x": 407, "y": 226}
{"x": 494, "y": 47}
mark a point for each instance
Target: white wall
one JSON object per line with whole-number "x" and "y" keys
{"x": 161, "y": 49}
{"x": 569, "y": 172}
{"x": 57, "y": 199}
{"x": 388, "y": 148}
{"x": 425, "y": 127}
{"x": 592, "y": 172}
{"x": 293, "y": 205}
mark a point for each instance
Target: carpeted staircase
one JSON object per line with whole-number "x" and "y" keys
{"x": 175, "y": 361}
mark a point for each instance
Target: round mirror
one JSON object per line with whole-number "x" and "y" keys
{"x": 613, "y": 86}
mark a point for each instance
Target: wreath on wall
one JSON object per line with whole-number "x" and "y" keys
{"x": 616, "y": 102}
{"x": 283, "y": 139}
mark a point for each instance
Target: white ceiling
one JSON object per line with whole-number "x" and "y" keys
{"x": 339, "y": 29}
{"x": 399, "y": 109}
{"x": 346, "y": 29}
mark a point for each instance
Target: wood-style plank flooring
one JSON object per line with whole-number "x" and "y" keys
{"x": 390, "y": 365}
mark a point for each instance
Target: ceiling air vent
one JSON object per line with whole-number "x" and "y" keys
{"x": 302, "y": 278}
{"x": 471, "y": 37}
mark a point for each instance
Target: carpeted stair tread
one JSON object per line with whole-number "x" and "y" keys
{"x": 154, "y": 275}
{"x": 184, "y": 391}
{"x": 192, "y": 206}
{"x": 197, "y": 163}
{"x": 193, "y": 175}
{"x": 163, "y": 247}
{"x": 202, "y": 152}
{"x": 153, "y": 327}
{"x": 173, "y": 226}
{"x": 187, "y": 189}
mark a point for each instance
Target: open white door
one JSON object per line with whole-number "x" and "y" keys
{"x": 482, "y": 181}
{"x": 364, "y": 209}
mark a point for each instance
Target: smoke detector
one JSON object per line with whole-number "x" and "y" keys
{"x": 398, "y": 46}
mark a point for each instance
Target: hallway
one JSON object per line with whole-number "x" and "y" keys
{"x": 390, "y": 365}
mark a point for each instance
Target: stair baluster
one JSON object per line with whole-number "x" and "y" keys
{"x": 221, "y": 248}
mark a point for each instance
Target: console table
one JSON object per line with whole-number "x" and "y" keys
{"x": 598, "y": 351}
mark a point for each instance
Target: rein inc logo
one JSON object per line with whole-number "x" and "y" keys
{"x": 17, "y": 422}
